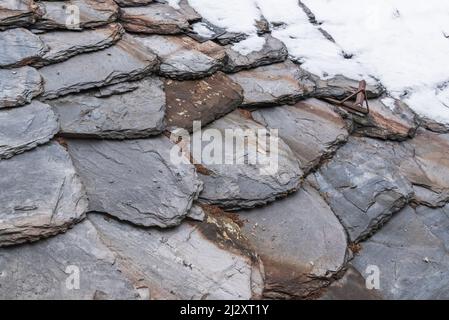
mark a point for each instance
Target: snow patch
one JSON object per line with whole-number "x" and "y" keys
{"x": 250, "y": 44}
{"x": 202, "y": 30}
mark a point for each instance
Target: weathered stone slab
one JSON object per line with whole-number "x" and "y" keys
{"x": 413, "y": 261}
{"x": 76, "y": 14}
{"x": 276, "y": 84}
{"x": 300, "y": 241}
{"x": 47, "y": 269}
{"x": 24, "y": 128}
{"x": 200, "y": 100}
{"x": 208, "y": 260}
{"x": 239, "y": 179}
{"x": 183, "y": 58}
{"x": 135, "y": 180}
{"x": 137, "y": 112}
{"x": 124, "y": 61}
{"x": 19, "y": 86}
{"x": 311, "y": 128}
{"x": 19, "y": 47}
{"x": 156, "y": 18}
{"x": 17, "y": 13}
{"x": 340, "y": 87}
{"x": 426, "y": 165}
{"x": 66, "y": 44}
{"x": 43, "y": 195}
{"x": 272, "y": 51}
{"x": 388, "y": 119}
{"x": 362, "y": 185}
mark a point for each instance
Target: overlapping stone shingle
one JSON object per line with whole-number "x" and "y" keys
{"x": 44, "y": 195}
{"x": 19, "y": 86}
{"x": 122, "y": 111}
{"x": 26, "y": 127}
{"x": 19, "y": 47}
{"x": 124, "y": 61}
{"x": 135, "y": 180}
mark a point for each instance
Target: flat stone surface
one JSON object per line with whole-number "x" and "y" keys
{"x": 155, "y": 18}
{"x": 62, "y": 14}
{"x": 66, "y": 44}
{"x": 339, "y": 87}
{"x": 48, "y": 196}
{"x": 362, "y": 185}
{"x": 122, "y": 62}
{"x": 392, "y": 120}
{"x": 183, "y": 58}
{"x": 207, "y": 260}
{"x": 136, "y": 112}
{"x": 44, "y": 270}
{"x": 19, "y": 86}
{"x": 276, "y": 84}
{"x": 272, "y": 51}
{"x": 248, "y": 183}
{"x": 426, "y": 165}
{"x": 135, "y": 180}
{"x": 24, "y": 128}
{"x": 200, "y": 100}
{"x": 300, "y": 241}
{"x": 311, "y": 128}
{"x": 16, "y": 13}
{"x": 413, "y": 261}
{"x": 437, "y": 220}
{"x": 352, "y": 286}
{"x": 19, "y": 47}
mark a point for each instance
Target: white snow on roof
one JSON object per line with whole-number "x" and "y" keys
{"x": 403, "y": 43}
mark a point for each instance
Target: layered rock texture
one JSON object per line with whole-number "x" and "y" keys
{"x": 145, "y": 155}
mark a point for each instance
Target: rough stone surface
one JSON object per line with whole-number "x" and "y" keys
{"x": 362, "y": 185}
{"x": 136, "y": 112}
{"x": 248, "y": 183}
{"x": 17, "y": 13}
{"x": 395, "y": 122}
{"x": 154, "y": 19}
{"x": 426, "y": 165}
{"x": 41, "y": 270}
{"x": 311, "y": 128}
{"x": 66, "y": 44}
{"x": 436, "y": 220}
{"x": 200, "y": 100}
{"x": 282, "y": 83}
{"x": 340, "y": 87}
{"x": 183, "y": 58}
{"x": 208, "y": 260}
{"x": 92, "y": 13}
{"x": 272, "y": 51}
{"x": 124, "y": 61}
{"x": 24, "y": 128}
{"x": 19, "y": 86}
{"x": 48, "y": 195}
{"x": 413, "y": 261}
{"x": 135, "y": 180}
{"x": 352, "y": 286}
{"x": 300, "y": 241}
{"x": 19, "y": 47}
